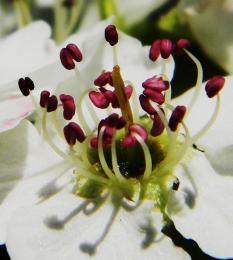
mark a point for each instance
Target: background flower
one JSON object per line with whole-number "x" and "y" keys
{"x": 210, "y": 22}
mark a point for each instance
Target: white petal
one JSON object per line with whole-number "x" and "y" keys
{"x": 23, "y": 156}
{"x": 63, "y": 228}
{"x": 135, "y": 10}
{"x": 218, "y": 142}
{"x": 208, "y": 220}
{"x": 25, "y": 51}
{"x": 14, "y": 109}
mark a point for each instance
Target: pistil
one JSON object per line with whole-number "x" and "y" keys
{"x": 124, "y": 104}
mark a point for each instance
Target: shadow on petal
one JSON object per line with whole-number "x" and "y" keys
{"x": 13, "y": 153}
{"x": 222, "y": 160}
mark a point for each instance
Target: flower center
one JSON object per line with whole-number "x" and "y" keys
{"x": 126, "y": 153}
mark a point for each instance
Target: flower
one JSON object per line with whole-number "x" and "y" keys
{"x": 109, "y": 169}
{"x": 215, "y": 37}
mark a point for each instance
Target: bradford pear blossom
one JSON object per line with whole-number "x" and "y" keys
{"x": 106, "y": 179}
{"x": 215, "y": 37}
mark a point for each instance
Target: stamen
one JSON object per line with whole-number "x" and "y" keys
{"x": 80, "y": 113}
{"x": 170, "y": 160}
{"x": 183, "y": 149}
{"x": 163, "y": 119}
{"x": 198, "y": 85}
{"x": 154, "y": 95}
{"x": 165, "y": 48}
{"x": 158, "y": 125}
{"x": 44, "y": 97}
{"x": 73, "y": 132}
{"x": 213, "y": 118}
{"x": 214, "y": 85}
{"x": 74, "y": 52}
{"x": 81, "y": 99}
{"x": 68, "y": 106}
{"x": 147, "y": 156}
{"x": 176, "y": 117}
{"x": 154, "y": 50}
{"x": 181, "y": 44}
{"x": 115, "y": 166}
{"x": 146, "y": 105}
{"x": 129, "y": 140}
{"x": 48, "y": 139}
{"x": 98, "y": 99}
{"x": 25, "y": 85}
{"x": 103, "y": 162}
{"x": 156, "y": 83}
{"x": 104, "y": 79}
{"x": 52, "y": 103}
{"x": 111, "y": 35}
{"x": 69, "y": 54}
{"x": 67, "y": 59}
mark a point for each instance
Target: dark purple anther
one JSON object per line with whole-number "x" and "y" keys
{"x": 214, "y": 85}
{"x": 155, "y": 96}
{"x": 129, "y": 140}
{"x": 68, "y": 106}
{"x": 154, "y": 50}
{"x": 156, "y": 83}
{"x": 74, "y": 52}
{"x": 29, "y": 83}
{"x": 25, "y": 85}
{"x": 66, "y": 59}
{"x": 166, "y": 48}
{"x": 98, "y": 99}
{"x": 52, "y": 103}
{"x": 104, "y": 79}
{"x": 145, "y": 104}
{"x": 115, "y": 121}
{"x": 138, "y": 129}
{"x": 182, "y": 43}
{"x": 69, "y": 54}
{"x": 73, "y": 132}
{"x": 111, "y": 35}
{"x": 44, "y": 97}
{"x": 176, "y": 117}
{"x": 158, "y": 125}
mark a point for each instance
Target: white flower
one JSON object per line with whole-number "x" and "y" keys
{"x": 101, "y": 200}
{"x": 215, "y": 37}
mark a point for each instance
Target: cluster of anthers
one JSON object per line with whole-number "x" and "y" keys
{"x": 132, "y": 155}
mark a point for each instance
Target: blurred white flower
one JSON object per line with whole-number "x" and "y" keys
{"x": 134, "y": 11}
{"x": 210, "y": 22}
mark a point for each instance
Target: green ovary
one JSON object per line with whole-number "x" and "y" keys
{"x": 131, "y": 164}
